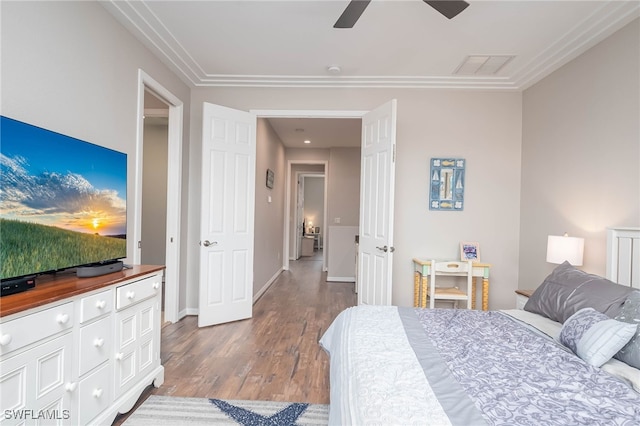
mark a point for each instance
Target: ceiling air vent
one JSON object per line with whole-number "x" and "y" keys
{"x": 483, "y": 64}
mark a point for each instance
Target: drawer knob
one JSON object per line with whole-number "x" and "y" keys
{"x": 119, "y": 356}
{"x": 131, "y": 295}
{"x": 97, "y": 393}
{"x": 100, "y": 304}
{"x": 70, "y": 387}
{"x": 5, "y": 339}
{"x": 98, "y": 343}
{"x": 62, "y": 318}
{"x": 156, "y": 286}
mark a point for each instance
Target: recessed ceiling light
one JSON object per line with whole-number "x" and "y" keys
{"x": 307, "y": 141}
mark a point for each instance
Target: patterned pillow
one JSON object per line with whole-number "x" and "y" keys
{"x": 630, "y": 313}
{"x": 595, "y": 337}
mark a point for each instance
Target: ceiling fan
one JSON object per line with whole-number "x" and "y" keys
{"x": 449, "y": 8}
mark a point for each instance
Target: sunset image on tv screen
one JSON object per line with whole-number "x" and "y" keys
{"x": 62, "y": 201}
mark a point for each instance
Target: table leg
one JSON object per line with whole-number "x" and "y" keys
{"x": 485, "y": 294}
{"x": 473, "y": 293}
{"x": 425, "y": 284}
{"x": 416, "y": 289}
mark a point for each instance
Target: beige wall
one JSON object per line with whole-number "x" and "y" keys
{"x": 581, "y": 154}
{"x": 71, "y": 68}
{"x": 154, "y": 194}
{"x": 81, "y": 80}
{"x": 314, "y": 201}
{"x": 483, "y": 127}
{"x": 269, "y": 216}
{"x": 344, "y": 187}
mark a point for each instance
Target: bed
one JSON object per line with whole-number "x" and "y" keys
{"x": 571, "y": 357}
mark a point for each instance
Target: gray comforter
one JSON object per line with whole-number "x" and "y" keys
{"x": 409, "y": 366}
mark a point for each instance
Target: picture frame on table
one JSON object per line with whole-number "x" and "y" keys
{"x": 469, "y": 251}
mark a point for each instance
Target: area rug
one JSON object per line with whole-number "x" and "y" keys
{"x": 168, "y": 410}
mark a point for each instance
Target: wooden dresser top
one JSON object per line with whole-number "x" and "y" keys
{"x": 62, "y": 285}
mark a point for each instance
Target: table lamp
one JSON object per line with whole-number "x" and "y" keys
{"x": 565, "y": 248}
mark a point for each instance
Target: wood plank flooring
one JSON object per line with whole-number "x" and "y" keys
{"x": 273, "y": 356}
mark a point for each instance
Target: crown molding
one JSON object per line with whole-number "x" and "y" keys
{"x": 138, "y": 18}
{"x": 609, "y": 18}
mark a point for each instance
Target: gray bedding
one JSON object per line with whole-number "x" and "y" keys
{"x": 394, "y": 365}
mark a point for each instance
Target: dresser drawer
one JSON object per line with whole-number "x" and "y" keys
{"x": 94, "y": 395}
{"x": 20, "y": 332}
{"x": 138, "y": 291}
{"x": 95, "y": 344}
{"x": 93, "y": 306}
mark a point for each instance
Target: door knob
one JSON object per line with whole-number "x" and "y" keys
{"x": 385, "y": 249}
{"x": 208, "y": 243}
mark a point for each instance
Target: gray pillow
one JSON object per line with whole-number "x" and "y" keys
{"x": 630, "y": 313}
{"x": 567, "y": 290}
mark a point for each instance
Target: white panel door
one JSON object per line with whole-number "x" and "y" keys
{"x": 227, "y": 215}
{"x": 375, "y": 250}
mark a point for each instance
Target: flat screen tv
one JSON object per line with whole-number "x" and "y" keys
{"x": 63, "y": 202}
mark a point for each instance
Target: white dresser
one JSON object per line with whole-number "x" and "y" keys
{"x": 80, "y": 350}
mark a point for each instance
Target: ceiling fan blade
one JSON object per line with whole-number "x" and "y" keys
{"x": 449, "y": 8}
{"x": 351, "y": 14}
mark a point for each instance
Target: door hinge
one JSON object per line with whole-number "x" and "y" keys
{"x": 139, "y": 244}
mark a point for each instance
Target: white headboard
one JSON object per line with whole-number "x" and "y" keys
{"x": 623, "y": 256}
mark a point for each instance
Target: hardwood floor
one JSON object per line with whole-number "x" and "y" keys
{"x": 273, "y": 356}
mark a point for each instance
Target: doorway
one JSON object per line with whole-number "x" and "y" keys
{"x": 310, "y": 213}
{"x": 170, "y": 204}
{"x": 154, "y": 182}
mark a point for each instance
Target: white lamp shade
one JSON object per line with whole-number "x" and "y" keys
{"x": 561, "y": 248}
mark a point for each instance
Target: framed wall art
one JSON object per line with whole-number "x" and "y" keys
{"x": 270, "y": 177}
{"x": 447, "y": 184}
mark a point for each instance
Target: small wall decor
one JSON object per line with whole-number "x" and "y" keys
{"x": 447, "y": 184}
{"x": 469, "y": 251}
{"x": 270, "y": 177}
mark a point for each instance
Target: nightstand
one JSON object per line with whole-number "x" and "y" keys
{"x": 521, "y": 298}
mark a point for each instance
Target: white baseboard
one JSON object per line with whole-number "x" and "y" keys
{"x": 187, "y": 311}
{"x": 267, "y": 285}
{"x": 342, "y": 279}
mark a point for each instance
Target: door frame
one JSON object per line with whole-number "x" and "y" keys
{"x": 294, "y": 195}
{"x": 300, "y": 113}
{"x": 172, "y": 271}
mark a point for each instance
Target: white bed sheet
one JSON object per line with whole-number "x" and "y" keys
{"x": 552, "y": 329}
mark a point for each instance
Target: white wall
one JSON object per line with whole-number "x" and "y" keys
{"x": 483, "y": 127}
{"x": 71, "y": 68}
{"x": 581, "y": 154}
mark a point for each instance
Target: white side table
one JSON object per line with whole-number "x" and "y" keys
{"x": 422, "y": 270}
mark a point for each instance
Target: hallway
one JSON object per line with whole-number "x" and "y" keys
{"x": 273, "y": 356}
